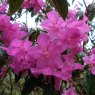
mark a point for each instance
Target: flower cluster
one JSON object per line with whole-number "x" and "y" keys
{"x": 90, "y": 61}
{"x": 9, "y": 31}
{"x": 54, "y": 52}
{"x": 33, "y": 4}
{"x": 3, "y": 7}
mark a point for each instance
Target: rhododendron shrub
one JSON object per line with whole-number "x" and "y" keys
{"x": 53, "y": 58}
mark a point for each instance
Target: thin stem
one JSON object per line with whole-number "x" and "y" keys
{"x": 41, "y": 9}
{"x": 84, "y": 4}
{"x": 26, "y": 17}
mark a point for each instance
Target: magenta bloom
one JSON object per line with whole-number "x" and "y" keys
{"x": 54, "y": 25}
{"x": 71, "y": 29}
{"x": 4, "y": 22}
{"x": 20, "y": 52}
{"x": 72, "y": 38}
{"x": 12, "y": 32}
{"x": 33, "y": 4}
{"x": 90, "y": 60}
{"x": 3, "y": 7}
{"x": 49, "y": 60}
{"x": 70, "y": 91}
{"x": 47, "y": 53}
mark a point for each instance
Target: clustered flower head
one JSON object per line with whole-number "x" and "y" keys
{"x": 33, "y": 4}
{"x": 54, "y": 52}
{"x": 3, "y": 7}
{"x": 9, "y": 31}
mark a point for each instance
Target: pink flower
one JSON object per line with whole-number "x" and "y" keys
{"x": 81, "y": 25}
{"x": 49, "y": 60}
{"x": 35, "y": 4}
{"x": 72, "y": 38}
{"x": 4, "y": 22}
{"x": 90, "y": 60}
{"x": 54, "y": 25}
{"x": 70, "y": 91}
{"x": 71, "y": 16}
{"x": 57, "y": 28}
{"x": 71, "y": 53}
{"x": 20, "y": 52}
{"x": 12, "y": 32}
{"x": 93, "y": 70}
{"x": 47, "y": 53}
{"x": 3, "y": 7}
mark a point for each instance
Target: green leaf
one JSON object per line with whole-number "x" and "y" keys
{"x": 73, "y": 1}
{"x": 80, "y": 15}
{"x": 62, "y": 7}
{"x": 17, "y": 77}
{"x": 14, "y": 5}
{"x": 3, "y": 58}
{"x": 30, "y": 83}
{"x": 89, "y": 84}
{"x": 91, "y": 11}
{"x": 34, "y": 36}
{"x": 49, "y": 89}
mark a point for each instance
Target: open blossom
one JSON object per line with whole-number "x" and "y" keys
{"x": 70, "y": 91}
{"x": 47, "y": 53}
{"x": 35, "y": 4}
{"x": 4, "y": 22}
{"x": 3, "y": 7}
{"x": 13, "y": 32}
{"x": 79, "y": 24}
{"x": 71, "y": 31}
{"x": 71, "y": 16}
{"x": 72, "y": 38}
{"x": 69, "y": 57}
{"x": 20, "y": 52}
{"x": 9, "y": 31}
{"x": 49, "y": 60}
{"x": 90, "y": 60}
{"x": 54, "y": 24}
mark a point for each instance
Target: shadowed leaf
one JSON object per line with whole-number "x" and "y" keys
{"x": 62, "y": 7}
{"x": 14, "y": 5}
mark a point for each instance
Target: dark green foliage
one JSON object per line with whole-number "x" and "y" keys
{"x": 91, "y": 11}
{"x": 14, "y": 5}
{"x": 89, "y": 83}
{"x": 62, "y": 7}
{"x": 3, "y": 58}
{"x": 30, "y": 83}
